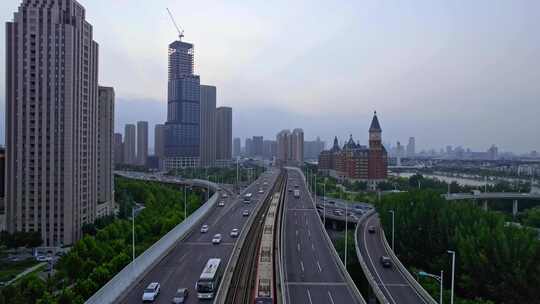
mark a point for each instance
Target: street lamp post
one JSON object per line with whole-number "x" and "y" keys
{"x": 453, "y": 253}
{"x": 133, "y": 233}
{"x": 438, "y": 279}
{"x": 324, "y": 202}
{"x": 346, "y": 231}
{"x": 393, "y": 229}
{"x": 185, "y": 201}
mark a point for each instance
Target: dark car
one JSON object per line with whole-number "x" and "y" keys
{"x": 180, "y": 296}
{"x": 386, "y": 262}
{"x": 371, "y": 229}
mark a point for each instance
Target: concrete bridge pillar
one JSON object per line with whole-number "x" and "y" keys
{"x": 515, "y": 208}
{"x": 485, "y": 205}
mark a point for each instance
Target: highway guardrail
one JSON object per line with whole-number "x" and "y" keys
{"x": 369, "y": 276}
{"x": 417, "y": 287}
{"x": 335, "y": 254}
{"x": 113, "y": 290}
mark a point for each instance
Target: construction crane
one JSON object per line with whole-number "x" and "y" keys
{"x": 178, "y": 28}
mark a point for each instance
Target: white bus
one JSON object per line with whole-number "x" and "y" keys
{"x": 208, "y": 282}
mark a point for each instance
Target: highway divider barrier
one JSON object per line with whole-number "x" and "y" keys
{"x": 113, "y": 290}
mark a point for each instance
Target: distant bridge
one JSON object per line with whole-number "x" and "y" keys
{"x": 485, "y": 196}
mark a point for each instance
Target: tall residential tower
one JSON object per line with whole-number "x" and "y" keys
{"x": 51, "y": 120}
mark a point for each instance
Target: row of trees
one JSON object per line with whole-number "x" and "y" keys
{"x": 20, "y": 239}
{"x": 105, "y": 250}
{"x": 220, "y": 174}
{"x": 495, "y": 261}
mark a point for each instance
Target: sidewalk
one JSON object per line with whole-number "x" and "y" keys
{"x": 25, "y": 272}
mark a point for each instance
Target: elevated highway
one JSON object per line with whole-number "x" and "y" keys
{"x": 394, "y": 284}
{"x": 183, "y": 264}
{"x": 312, "y": 270}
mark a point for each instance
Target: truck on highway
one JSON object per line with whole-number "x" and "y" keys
{"x": 297, "y": 193}
{"x": 208, "y": 282}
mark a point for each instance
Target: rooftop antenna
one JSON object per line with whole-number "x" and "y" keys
{"x": 178, "y": 28}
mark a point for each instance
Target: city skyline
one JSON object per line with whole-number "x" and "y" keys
{"x": 466, "y": 70}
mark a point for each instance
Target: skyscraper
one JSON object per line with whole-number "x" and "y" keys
{"x": 51, "y": 94}
{"x": 142, "y": 142}
{"x": 129, "y": 144}
{"x": 159, "y": 144}
{"x": 105, "y": 147}
{"x": 182, "y": 132}
{"x": 237, "y": 147}
{"x": 118, "y": 149}
{"x": 224, "y": 134}
{"x": 208, "y": 125}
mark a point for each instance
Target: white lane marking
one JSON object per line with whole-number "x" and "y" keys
{"x": 296, "y": 232}
{"x": 309, "y": 296}
{"x": 302, "y": 265}
{"x": 312, "y": 247}
{"x": 330, "y": 297}
{"x": 319, "y": 265}
{"x": 372, "y": 264}
{"x": 402, "y": 275}
{"x": 309, "y": 233}
{"x": 298, "y": 246}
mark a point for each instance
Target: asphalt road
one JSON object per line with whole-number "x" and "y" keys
{"x": 182, "y": 267}
{"x": 390, "y": 280}
{"x": 312, "y": 275}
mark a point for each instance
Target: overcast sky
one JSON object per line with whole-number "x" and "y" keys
{"x": 455, "y": 72}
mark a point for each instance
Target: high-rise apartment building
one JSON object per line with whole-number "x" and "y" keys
{"x": 269, "y": 149}
{"x": 129, "y": 144}
{"x": 283, "y": 139}
{"x": 297, "y": 146}
{"x": 105, "y": 181}
{"x": 118, "y": 149}
{"x": 258, "y": 146}
{"x": 237, "y": 147}
{"x": 142, "y": 142}
{"x": 312, "y": 149}
{"x": 248, "y": 147}
{"x": 208, "y": 125}
{"x": 159, "y": 141}
{"x": 411, "y": 147}
{"x": 182, "y": 132}
{"x": 51, "y": 120}
{"x": 224, "y": 134}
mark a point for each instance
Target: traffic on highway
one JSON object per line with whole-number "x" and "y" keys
{"x": 311, "y": 271}
{"x": 193, "y": 269}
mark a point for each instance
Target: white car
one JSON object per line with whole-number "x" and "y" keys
{"x": 235, "y": 232}
{"x": 221, "y": 203}
{"x": 216, "y": 239}
{"x": 245, "y": 213}
{"x": 204, "y": 229}
{"x": 151, "y": 292}
{"x": 261, "y": 191}
{"x": 224, "y": 195}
